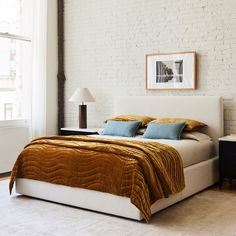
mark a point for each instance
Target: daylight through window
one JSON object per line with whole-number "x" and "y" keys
{"x": 15, "y": 58}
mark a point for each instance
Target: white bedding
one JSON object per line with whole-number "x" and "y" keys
{"x": 191, "y": 151}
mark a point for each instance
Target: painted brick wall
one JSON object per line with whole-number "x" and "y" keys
{"x": 106, "y": 42}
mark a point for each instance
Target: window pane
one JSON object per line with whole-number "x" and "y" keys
{"x": 16, "y": 17}
{"x": 15, "y": 73}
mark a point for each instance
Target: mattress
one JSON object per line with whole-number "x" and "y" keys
{"x": 191, "y": 151}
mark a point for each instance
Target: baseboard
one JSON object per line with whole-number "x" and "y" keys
{"x": 6, "y": 174}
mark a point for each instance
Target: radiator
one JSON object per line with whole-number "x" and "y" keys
{"x": 14, "y": 135}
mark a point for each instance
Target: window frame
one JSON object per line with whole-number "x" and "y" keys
{"x": 14, "y": 36}
{"x": 5, "y": 124}
{"x": 5, "y": 34}
{"x": 14, "y": 122}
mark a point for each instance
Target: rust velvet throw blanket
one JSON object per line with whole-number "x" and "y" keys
{"x": 142, "y": 171}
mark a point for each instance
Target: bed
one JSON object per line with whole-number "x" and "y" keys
{"x": 199, "y": 174}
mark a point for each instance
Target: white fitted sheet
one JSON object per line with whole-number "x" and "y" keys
{"x": 191, "y": 151}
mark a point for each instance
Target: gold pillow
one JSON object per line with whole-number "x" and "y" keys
{"x": 143, "y": 119}
{"x": 191, "y": 125}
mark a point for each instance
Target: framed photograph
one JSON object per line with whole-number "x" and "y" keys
{"x": 171, "y": 71}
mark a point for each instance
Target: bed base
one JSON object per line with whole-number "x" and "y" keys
{"x": 197, "y": 178}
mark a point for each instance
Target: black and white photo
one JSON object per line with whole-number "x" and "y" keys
{"x": 171, "y": 71}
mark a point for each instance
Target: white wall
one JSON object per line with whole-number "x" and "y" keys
{"x": 106, "y": 42}
{"x": 51, "y": 84}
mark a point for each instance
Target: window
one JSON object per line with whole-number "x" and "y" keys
{"x": 15, "y": 58}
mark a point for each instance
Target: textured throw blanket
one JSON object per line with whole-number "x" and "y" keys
{"x": 142, "y": 171}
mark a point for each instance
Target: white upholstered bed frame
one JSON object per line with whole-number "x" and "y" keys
{"x": 207, "y": 109}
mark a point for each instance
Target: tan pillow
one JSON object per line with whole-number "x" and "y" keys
{"x": 191, "y": 125}
{"x": 195, "y": 135}
{"x": 143, "y": 119}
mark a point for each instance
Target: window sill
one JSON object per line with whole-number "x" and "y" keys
{"x": 13, "y": 123}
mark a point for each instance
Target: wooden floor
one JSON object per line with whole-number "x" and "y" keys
{"x": 208, "y": 213}
{"x": 3, "y": 178}
{"x": 226, "y": 187}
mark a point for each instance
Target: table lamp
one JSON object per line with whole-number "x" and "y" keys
{"x": 82, "y": 95}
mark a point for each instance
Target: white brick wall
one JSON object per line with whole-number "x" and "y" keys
{"x": 106, "y": 42}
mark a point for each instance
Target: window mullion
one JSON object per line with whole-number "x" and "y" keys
{"x": 14, "y": 36}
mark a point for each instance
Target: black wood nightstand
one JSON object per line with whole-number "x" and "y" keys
{"x": 227, "y": 158}
{"x": 78, "y": 131}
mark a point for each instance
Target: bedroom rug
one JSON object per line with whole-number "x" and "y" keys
{"x": 207, "y": 213}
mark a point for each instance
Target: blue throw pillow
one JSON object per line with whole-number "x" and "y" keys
{"x": 164, "y": 130}
{"x": 121, "y": 128}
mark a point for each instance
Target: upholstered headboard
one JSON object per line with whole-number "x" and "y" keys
{"x": 208, "y": 109}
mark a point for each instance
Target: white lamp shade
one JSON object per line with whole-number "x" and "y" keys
{"x": 82, "y": 95}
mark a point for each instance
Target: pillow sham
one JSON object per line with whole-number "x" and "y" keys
{"x": 195, "y": 136}
{"x": 121, "y": 128}
{"x": 191, "y": 125}
{"x": 143, "y": 119}
{"x": 164, "y": 130}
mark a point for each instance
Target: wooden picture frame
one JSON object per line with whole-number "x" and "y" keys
{"x": 171, "y": 71}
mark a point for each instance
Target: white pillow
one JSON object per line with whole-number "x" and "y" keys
{"x": 195, "y": 135}
{"x": 100, "y": 131}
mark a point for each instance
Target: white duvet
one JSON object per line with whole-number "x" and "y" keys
{"x": 190, "y": 150}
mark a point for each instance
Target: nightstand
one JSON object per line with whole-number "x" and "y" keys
{"x": 78, "y": 131}
{"x": 227, "y": 158}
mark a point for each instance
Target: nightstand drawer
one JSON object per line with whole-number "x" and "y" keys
{"x": 74, "y": 131}
{"x": 68, "y": 132}
{"x": 227, "y": 148}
